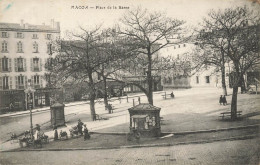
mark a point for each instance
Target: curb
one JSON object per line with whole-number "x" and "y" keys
{"x": 185, "y": 132}
{"x": 143, "y": 146}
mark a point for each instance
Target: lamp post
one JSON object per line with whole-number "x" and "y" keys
{"x": 29, "y": 91}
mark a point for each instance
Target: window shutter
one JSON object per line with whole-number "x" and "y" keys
{"x": 10, "y": 83}
{"x": 41, "y": 77}
{"x": 32, "y": 80}
{"x": 16, "y": 82}
{"x": 15, "y": 64}
{"x": 25, "y": 81}
{"x": 32, "y": 64}
{"x": 24, "y": 64}
{"x": 22, "y": 35}
{"x": 40, "y": 61}
{"x": 10, "y": 64}
{"x": 45, "y": 61}
{"x": 0, "y": 64}
{"x": 1, "y": 83}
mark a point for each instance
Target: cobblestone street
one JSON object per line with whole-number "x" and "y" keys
{"x": 243, "y": 152}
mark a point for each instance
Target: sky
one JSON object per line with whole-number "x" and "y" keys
{"x": 42, "y": 11}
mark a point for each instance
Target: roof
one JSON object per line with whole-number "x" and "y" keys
{"x": 57, "y": 105}
{"x": 26, "y": 27}
{"x": 144, "y": 106}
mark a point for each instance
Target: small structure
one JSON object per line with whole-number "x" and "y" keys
{"x": 57, "y": 115}
{"x": 145, "y": 118}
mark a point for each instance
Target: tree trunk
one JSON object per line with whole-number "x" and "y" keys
{"x": 234, "y": 103}
{"x": 150, "y": 79}
{"x": 92, "y": 96}
{"x": 105, "y": 92}
{"x": 243, "y": 86}
{"x": 223, "y": 80}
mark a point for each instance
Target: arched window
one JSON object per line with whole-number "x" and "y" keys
{"x": 20, "y": 47}
{"x": 35, "y": 47}
{"x": 4, "y": 46}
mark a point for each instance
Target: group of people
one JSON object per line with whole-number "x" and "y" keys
{"x": 222, "y": 100}
{"x": 80, "y": 126}
{"x": 85, "y": 130}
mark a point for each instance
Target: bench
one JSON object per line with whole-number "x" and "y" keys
{"x": 223, "y": 114}
{"x": 98, "y": 117}
{"x": 167, "y": 96}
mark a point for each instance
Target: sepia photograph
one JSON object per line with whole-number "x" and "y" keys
{"x": 129, "y": 82}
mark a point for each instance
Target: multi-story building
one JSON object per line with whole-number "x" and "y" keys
{"x": 177, "y": 79}
{"x": 25, "y": 49}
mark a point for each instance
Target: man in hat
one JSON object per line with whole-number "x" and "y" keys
{"x": 80, "y": 124}
{"x": 220, "y": 100}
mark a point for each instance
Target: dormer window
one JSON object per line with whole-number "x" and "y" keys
{"x": 35, "y": 47}
{"x": 4, "y": 35}
{"x": 35, "y": 36}
{"x": 48, "y": 36}
{"x": 19, "y": 35}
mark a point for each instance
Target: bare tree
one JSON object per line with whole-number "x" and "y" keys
{"x": 151, "y": 31}
{"x": 78, "y": 59}
{"x": 236, "y": 32}
{"x": 207, "y": 55}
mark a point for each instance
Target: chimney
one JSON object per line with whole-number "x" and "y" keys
{"x": 57, "y": 26}
{"x": 26, "y": 26}
{"x": 52, "y": 23}
{"x": 22, "y": 24}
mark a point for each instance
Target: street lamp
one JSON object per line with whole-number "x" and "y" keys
{"x": 29, "y": 91}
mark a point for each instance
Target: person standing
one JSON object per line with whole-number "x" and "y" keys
{"x": 220, "y": 100}
{"x": 80, "y": 124}
{"x": 86, "y": 134}
{"x": 224, "y": 100}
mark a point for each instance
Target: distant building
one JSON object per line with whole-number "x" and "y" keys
{"x": 177, "y": 79}
{"x": 25, "y": 49}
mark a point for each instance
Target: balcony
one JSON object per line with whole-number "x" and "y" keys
{"x": 21, "y": 87}
{"x": 20, "y": 69}
{"x": 37, "y": 86}
{"x": 5, "y": 70}
{"x": 36, "y": 69}
{"x": 5, "y": 87}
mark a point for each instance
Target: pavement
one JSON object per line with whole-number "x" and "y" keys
{"x": 195, "y": 117}
{"x": 237, "y": 152}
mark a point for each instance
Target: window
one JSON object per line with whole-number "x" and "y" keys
{"x": 5, "y": 64}
{"x": 5, "y": 83}
{"x": 184, "y": 45}
{"x": 35, "y": 47}
{"x": 179, "y": 46}
{"x": 36, "y": 79}
{"x": 197, "y": 80}
{"x": 4, "y": 46}
{"x": 20, "y": 64}
{"x": 20, "y": 82}
{"x": 49, "y": 48}
{"x": 36, "y": 64}
{"x": 207, "y": 79}
{"x": 48, "y": 36}
{"x": 35, "y": 36}
{"x": 19, "y": 47}
{"x": 19, "y": 35}
{"x": 4, "y": 35}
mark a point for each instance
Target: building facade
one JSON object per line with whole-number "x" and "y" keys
{"x": 177, "y": 79}
{"x": 25, "y": 49}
